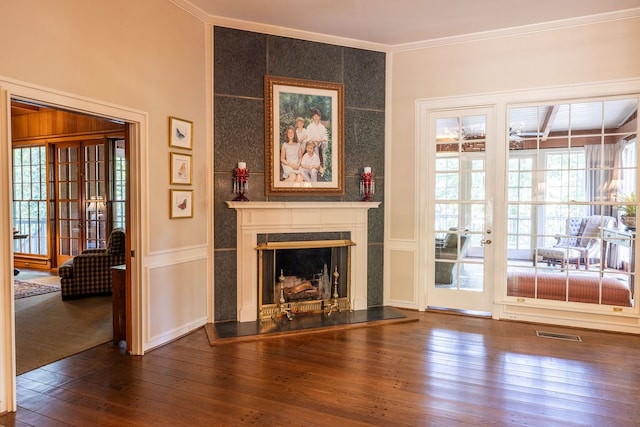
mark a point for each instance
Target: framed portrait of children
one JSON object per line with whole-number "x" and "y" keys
{"x": 304, "y": 137}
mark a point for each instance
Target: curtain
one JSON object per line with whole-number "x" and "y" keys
{"x": 605, "y": 177}
{"x": 601, "y": 183}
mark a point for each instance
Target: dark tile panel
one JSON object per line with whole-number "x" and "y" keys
{"x": 225, "y": 286}
{"x": 376, "y": 221}
{"x": 304, "y": 59}
{"x": 364, "y": 141}
{"x": 224, "y": 229}
{"x": 240, "y": 62}
{"x": 242, "y": 59}
{"x": 375, "y": 271}
{"x": 364, "y": 75}
{"x": 238, "y": 133}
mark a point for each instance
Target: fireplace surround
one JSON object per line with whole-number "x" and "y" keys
{"x": 259, "y": 218}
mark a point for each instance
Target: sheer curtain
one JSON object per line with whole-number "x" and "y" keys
{"x": 604, "y": 164}
{"x": 605, "y": 176}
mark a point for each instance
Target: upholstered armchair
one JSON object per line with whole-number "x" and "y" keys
{"x": 90, "y": 272}
{"x": 447, "y": 249}
{"x": 581, "y": 243}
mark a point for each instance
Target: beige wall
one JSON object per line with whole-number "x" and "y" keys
{"x": 579, "y": 55}
{"x": 148, "y": 56}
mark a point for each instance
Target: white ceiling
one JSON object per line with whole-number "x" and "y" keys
{"x": 400, "y": 22}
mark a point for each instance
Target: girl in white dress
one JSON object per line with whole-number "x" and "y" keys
{"x": 291, "y": 156}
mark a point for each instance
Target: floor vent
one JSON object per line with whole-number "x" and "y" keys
{"x": 557, "y": 336}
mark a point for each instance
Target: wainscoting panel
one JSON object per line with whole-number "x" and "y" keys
{"x": 402, "y": 290}
{"x": 176, "y": 292}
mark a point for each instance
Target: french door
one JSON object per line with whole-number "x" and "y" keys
{"x": 81, "y": 197}
{"x": 461, "y": 152}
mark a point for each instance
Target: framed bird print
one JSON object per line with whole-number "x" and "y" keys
{"x": 181, "y": 204}
{"x": 180, "y": 133}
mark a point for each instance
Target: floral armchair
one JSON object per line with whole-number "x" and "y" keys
{"x": 582, "y": 242}
{"x": 90, "y": 272}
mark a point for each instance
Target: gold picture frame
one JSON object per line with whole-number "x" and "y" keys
{"x": 181, "y": 173}
{"x": 180, "y": 204}
{"x": 180, "y": 133}
{"x": 316, "y": 108}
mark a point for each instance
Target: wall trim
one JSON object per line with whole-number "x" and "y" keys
{"x": 520, "y": 30}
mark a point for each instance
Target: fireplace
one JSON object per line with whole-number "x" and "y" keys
{"x": 349, "y": 220}
{"x": 303, "y": 277}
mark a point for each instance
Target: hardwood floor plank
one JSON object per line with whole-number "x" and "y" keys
{"x": 445, "y": 370}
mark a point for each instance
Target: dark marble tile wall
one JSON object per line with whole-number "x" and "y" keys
{"x": 241, "y": 60}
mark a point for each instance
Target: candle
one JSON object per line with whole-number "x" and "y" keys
{"x": 242, "y": 165}
{"x": 367, "y": 169}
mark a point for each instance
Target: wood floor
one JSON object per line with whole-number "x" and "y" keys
{"x": 445, "y": 370}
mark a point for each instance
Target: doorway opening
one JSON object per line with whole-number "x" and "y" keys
{"x": 69, "y": 192}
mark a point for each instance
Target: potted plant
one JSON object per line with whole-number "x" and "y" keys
{"x": 628, "y": 208}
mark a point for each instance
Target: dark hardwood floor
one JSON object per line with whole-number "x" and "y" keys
{"x": 445, "y": 370}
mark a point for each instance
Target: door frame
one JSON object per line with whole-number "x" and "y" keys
{"x": 503, "y": 307}
{"x": 426, "y": 178}
{"x": 137, "y": 122}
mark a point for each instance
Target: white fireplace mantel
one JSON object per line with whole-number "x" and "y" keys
{"x": 255, "y": 218}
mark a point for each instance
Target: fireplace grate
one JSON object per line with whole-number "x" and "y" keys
{"x": 559, "y": 336}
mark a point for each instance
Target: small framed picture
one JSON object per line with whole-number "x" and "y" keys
{"x": 180, "y": 133}
{"x": 181, "y": 169}
{"x": 181, "y": 204}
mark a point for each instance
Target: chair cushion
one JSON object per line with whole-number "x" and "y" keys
{"x": 116, "y": 243}
{"x": 451, "y": 240}
{"x": 591, "y": 230}
{"x": 559, "y": 253}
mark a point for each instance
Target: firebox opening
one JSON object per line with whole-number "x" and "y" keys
{"x": 303, "y": 275}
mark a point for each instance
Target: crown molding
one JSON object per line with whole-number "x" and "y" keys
{"x": 424, "y": 44}
{"x": 519, "y": 30}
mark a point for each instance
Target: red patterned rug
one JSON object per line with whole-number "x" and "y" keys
{"x": 24, "y": 289}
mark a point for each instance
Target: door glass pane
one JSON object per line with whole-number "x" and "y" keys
{"x": 95, "y": 197}
{"x": 67, "y": 202}
{"x": 568, "y": 165}
{"x": 459, "y": 192}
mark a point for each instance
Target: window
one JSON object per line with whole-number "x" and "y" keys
{"x": 567, "y": 163}
{"x": 30, "y": 199}
{"x": 119, "y": 195}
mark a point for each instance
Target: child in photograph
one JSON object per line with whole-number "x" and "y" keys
{"x": 301, "y": 132}
{"x": 291, "y": 156}
{"x": 318, "y": 135}
{"x": 311, "y": 163}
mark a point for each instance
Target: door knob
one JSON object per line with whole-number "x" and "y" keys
{"x": 485, "y": 242}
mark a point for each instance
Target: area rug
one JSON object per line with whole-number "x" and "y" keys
{"x": 49, "y": 329}
{"x": 24, "y": 289}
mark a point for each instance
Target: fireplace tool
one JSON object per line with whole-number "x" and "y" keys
{"x": 283, "y": 308}
{"x": 334, "y": 306}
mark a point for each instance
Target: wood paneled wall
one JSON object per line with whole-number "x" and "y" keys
{"x": 58, "y": 124}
